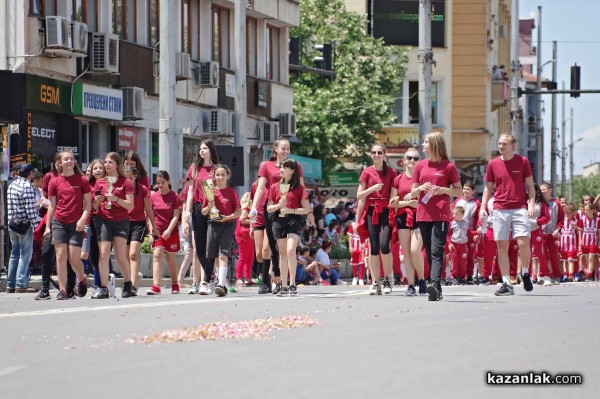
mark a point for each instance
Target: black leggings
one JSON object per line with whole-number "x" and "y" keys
{"x": 434, "y": 239}
{"x": 272, "y": 242}
{"x": 379, "y": 234}
{"x": 200, "y": 226}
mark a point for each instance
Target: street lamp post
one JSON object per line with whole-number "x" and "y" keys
{"x": 571, "y": 158}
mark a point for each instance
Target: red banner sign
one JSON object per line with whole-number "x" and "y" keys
{"x": 128, "y": 138}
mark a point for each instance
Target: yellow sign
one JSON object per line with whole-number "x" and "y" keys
{"x": 50, "y": 94}
{"x": 401, "y": 136}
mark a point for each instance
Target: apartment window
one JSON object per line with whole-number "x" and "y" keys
{"x": 251, "y": 25}
{"x": 272, "y": 61}
{"x": 185, "y": 26}
{"x": 406, "y": 107}
{"x": 220, "y": 36}
{"x": 153, "y": 22}
{"x": 49, "y": 7}
{"x": 123, "y": 18}
{"x": 78, "y": 10}
{"x": 35, "y": 7}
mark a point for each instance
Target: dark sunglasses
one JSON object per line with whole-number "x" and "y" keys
{"x": 408, "y": 157}
{"x": 376, "y": 152}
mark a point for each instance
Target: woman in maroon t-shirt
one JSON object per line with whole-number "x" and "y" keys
{"x": 409, "y": 235}
{"x": 434, "y": 181}
{"x": 286, "y": 227}
{"x": 199, "y": 171}
{"x": 132, "y": 160}
{"x": 374, "y": 186}
{"x": 112, "y": 203}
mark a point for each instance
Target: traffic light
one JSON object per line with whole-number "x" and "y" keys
{"x": 575, "y": 80}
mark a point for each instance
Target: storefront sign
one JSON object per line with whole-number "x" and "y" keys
{"x": 127, "y": 138}
{"x": 398, "y": 140}
{"x": 343, "y": 178}
{"x": 262, "y": 94}
{"x": 48, "y": 94}
{"x": 97, "y": 102}
{"x": 311, "y": 168}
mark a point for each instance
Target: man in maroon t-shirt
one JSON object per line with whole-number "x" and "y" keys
{"x": 510, "y": 175}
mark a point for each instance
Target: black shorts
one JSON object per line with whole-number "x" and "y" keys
{"x": 64, "y": 233}
{"x": 401, "y": 222}
{"x": 106, "y": 230}
{"x": 137, "y": 232}
{"x": 292, "y": 224}
{"x": 219, "y": 238}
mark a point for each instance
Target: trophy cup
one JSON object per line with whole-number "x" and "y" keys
{"x": 209, "y": 191}
{"x": 111, "y": 180}
{"x": 283, "y": 190}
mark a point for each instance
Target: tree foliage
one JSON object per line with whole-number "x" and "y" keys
{"x": 585, "y": 186}
{"x": 337, "y": 118}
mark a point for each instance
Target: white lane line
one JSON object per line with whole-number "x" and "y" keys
{"x": 9, "y": 370}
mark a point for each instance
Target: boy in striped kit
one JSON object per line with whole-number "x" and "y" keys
{"x": 588, "y": 239}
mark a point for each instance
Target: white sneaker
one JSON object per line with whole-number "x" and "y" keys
{"x": 354, "y": 281}
{"x": 361, "y": 282}
{"x": 112, "y": 285}
{"x": 205, "y": 289}
{"x": 195, "y": 288}
{"x": 547, "y": 281}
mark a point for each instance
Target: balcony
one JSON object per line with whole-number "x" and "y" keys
{"x": 499, "y": 94}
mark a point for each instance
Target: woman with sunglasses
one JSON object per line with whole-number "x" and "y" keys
{"x": 434, "y": 181}
{"x": 409, "y": 235}
{"x": 374, "y": 186}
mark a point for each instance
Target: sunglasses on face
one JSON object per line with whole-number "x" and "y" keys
{"x": 376, "y": 152}
{"x": 409, "y": 158}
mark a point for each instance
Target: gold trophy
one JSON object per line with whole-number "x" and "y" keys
{"x": 209, "y": 191}
{"x": 283, "y": 190}
{"x": 111, "y": 180}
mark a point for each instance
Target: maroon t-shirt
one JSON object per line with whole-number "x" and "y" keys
{"x": 403, "y": 184}
{"x": 204, "y": 173}
{"x": 226, "y": 201}
{"x": 121, "y": 188}
{"x": 138, "y": 214}
{"x": 439, "y": 173}
{"x": 270, "y": 171}
{"x": 46, "y": 182}
{"x": 370, "y": 176}
{"x": 293, "y": 198}
{"x": 164, "y": 207}
{"x": 509, "y": 178}
{"x": 69, "y": 193}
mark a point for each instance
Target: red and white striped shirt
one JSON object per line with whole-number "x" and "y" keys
{"x": 568, "y": 236}
{"x": 589, "y": 231}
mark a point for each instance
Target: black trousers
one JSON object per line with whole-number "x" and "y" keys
{"x": 434, "y": 238}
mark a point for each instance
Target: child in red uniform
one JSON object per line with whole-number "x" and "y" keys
{"x": 220, "y": 232}
{"x": 588, "y": 239}
{"x": 459, "y": 238}
{"x": 357, "y": 261}
{"x": 552, "y": 231}
{"x": 287, "y": 221}
{"x": 538, "y": 257}
{"x": 167, "y": 208}
{"x": 568, "y": 242}
{"x": 245, "y": 243}
{"x": 472, "y": 207}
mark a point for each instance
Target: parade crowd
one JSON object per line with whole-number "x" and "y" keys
{"x": 401, "y": 229}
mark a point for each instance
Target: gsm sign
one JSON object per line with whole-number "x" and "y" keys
{"x": 50, "y": 94}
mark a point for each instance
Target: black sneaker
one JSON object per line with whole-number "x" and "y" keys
{"x": 375, "y": 289}
{"x": 220, "y": 290}
{"x": 292, "y": 290}
{"x": 410, "y": 291}
{"x": 527, "y": 282}
{"x": 422, "y": 287}
{"x": 70, "y": 293}
{"x": 100, "y": 293}
{"x": 62, "y": 295}
{"x": 283, "y": 291}
{"x": 126, "y": 291}
{"x": 82, "y": 288}
{"x": 43, "y": 295}
{"x": 264, "y": 289}
{"x": 277, "y": 288}
{"x": 483, "y": 281}
{"x": 505, "y": 290}
{"x": 434, "y": 292}
{"x": 134, "y": 290}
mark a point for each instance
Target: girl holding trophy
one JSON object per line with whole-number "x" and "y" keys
{"x": 222, "y": 206}
{"x": 113, "y": 200}
{"x": 287, "y": 202}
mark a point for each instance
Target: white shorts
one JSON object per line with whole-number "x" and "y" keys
{"x": 506, "y": 220}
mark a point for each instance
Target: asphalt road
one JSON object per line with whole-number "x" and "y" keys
{"x": 386, "y": 347}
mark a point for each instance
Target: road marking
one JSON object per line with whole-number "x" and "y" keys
{"x": 9, "y": 370}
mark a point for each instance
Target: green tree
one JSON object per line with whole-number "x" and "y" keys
{"x": 337, "y": 117}
{"x": 585, "y": 186}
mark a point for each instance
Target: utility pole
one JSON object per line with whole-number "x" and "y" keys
{"x": 571, "y": 163}
{"x": 563, "y": 158}
{"x": 553, "y": 140}
{"x": 426, "y": 60}
{"x": 240, "y": 104}
{"x": 515, "y": 110}
{"x": 539, "y": 137}
{"x": 170, "y": 142}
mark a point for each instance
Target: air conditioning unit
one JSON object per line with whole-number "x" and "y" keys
{"x": 220, "y": 121}
{"x": 209, "y": 74}
{"x": 182, "y": 66}
{"x": 105, "y": 53}
{"x": 270, "y": 132}
{"x": 58, "y": 33}
{"x": 288, "y": 124}
{"x": 79, "y": 38}
{"x": 133, "y": 103}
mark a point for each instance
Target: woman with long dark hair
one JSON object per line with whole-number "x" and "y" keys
{"x": 199, "y": 171}
{"x": 132, "y": 159}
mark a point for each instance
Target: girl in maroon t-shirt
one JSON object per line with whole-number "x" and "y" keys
{"x": 140, "y": 216}
{"x": 111, "y": 221}
{"x": 287, "y": 221}
{"x": 132, "y": 160}
{"x": 374, "y": 186}
{"x": 165, "y": 239}
{"x": 220, "y": 232}
{"x": 434, "y": 181}
{"x": 70, "y": 203}
{"x": 199, "y": 171}
{"x": 409, "y": 235}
